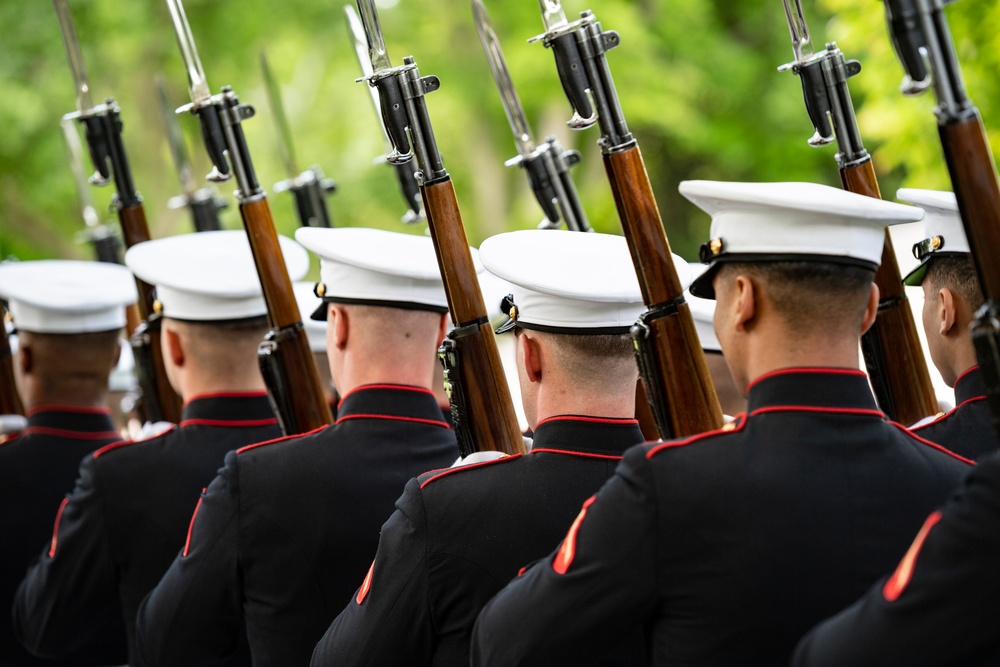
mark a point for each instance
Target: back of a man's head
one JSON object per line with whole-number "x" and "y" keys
{"x": 68, "y": 369}
{"x": 218, "y": 355}
{"x": 596, "y": 364}
{"x": 958, "y": 274}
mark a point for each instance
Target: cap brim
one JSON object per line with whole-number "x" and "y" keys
{"x": 915, "y": 277}
{"x": 702, "y": 285}
{"x": 320, "y": 314}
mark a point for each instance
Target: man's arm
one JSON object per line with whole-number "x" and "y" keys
{"x": 940, "y": 605}
{"x": 70, "y": 594}
{"x": 587, "y": 597}
{"x": 194, "y": 616}
{"x": 388, "y": 621}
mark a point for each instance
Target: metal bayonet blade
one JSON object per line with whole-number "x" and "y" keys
{"x": 175, "y": 139}
{"x": 75, "y": 148}
{"x": 373, "y": 35}
{"x": 361, "y": 49}
{"x": 799, "y": 30}
{"x": 552, "y": 14}
{"x": 75, "y": 57}
{"x": 511, "y": 103}
{"x": 189, "y": 52}
{"x": 285, "y": 146}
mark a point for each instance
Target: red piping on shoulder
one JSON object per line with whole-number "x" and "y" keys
{"x": 75, "y": 435}
{"x": 194, "y": 515}
{"x": 900, "y": 579}
{"x": 618, "y": 421}
{"x": 416, "y": 420}
{"x": 226, "y": 422}
{"x": 951, "y": 412}
{"x": 228, "y": 394}
{"x": 450, "y": 471}
{"x": 738, "y": 423}
{"x": 273, "y": 441}
{"x": 76, "y": 409}
{"x": 55, "y": 528}
{"x": 396, "y": 387}
{"x": 806, "y": 369}
{"x": 966, "y": 372}
{"x": 932, "y": 444}
{"x": 588, "y": 455}
{"x": 115, "y": 445}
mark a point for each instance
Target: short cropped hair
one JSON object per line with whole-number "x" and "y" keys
{"x": 958, "y": 274}
{"x": 592, "y": 359}
{"x": 811, "y": 294}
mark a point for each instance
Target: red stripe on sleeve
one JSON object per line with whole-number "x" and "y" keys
{"x": 187, "y": 542}
{"x": 55, "y": 528}
{"x": 900, "y": 579}
{"x": 366, "y": 585}
{"x": 567, "y": 551}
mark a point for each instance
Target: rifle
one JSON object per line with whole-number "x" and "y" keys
{"x": 481, "y": 408}
{"x": 10, "y": 399}
{"x": 285, "y": 359}
{"x": 204, "y": 203}
{"x": 547, "y": 165}
{"x": 103, "y": 129}
{"x": 671, "y": 361}
{"x": 309, "y": 187}
{"x": 923, "y": 43}
{"x": 891, "y": 348}
{"x": 406, "y": 170}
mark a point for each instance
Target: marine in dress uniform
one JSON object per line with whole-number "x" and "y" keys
{"x": 951, "y": 298}
{"x": 940, "y": 605}
{"x": 118, "y": 531}
{"x": 70, "y": 315}
{"x": 286, "y": 531}
{"x": 728, "y": 545}
{"x": 459, "y": 535}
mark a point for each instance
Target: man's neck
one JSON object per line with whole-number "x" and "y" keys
{"x": 803, "y": 353}
{"x": 552, "y": 402}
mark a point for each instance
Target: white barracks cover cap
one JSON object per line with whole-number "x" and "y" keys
{"x": 760, "y": 222}
{"x": 377, "y": 268}
{"x": 208, "y": 276}
{"x": 568, "y": 282}
{"x": 67, "y": 296}
{"x": 943, "y": 231}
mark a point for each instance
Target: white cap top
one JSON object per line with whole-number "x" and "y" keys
{"x": 377, "y": 267}
{"x": 703, "y": 312}
{"x": 943, "y": 230}
{"x": 754, "y": 222}
{"x": 568, "y": 282}
{"x": 65, "y": 296}
{"x": 208, "y": 276}
{"x": 308, "y": 302}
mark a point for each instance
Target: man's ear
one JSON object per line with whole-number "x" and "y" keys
{"x": 871, "y": 309}
{"x": 340, "y": 326}
{"x": 746, "y": 302}
{"x": 532, "y": 356}
{"x": 25, "y": 356}
{"x": 173, "y": 346}
{"x": 946, "y": 311}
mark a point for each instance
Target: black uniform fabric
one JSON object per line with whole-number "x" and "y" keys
{"x": 940, "y": 606}
{"x": 730, "y": 545}
{"x": 288, "y": 529}
{"x": 967, "y": 429}
{"x": 458, "y": 536}
{"x": 37, "y": 469}
{"x": 126, "y": 520}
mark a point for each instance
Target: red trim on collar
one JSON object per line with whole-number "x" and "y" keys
{"x": 416, "y": 420}
{"x": 229, "y": 423}
{"x": 900, "y": 579}
{"x": 76, "y": 409}
{"x": 950, "y": 413}
{"x": 55, "y": 527}
{"x": 115, "y": 445}
{"x": 858, "y": 412}
{"x": 272, "y": 441}
{"x": 194, "y": 515}
{"x": 386, "y": 385}
{"x": 806, "y": 369}
{"x": 75, "y": 435}
{"x": 966, "y": 372}
{"x": 451, "y": 471}
{"x": 573, "y": 453}
{"x": 626, "y": 421}
{"x": 738, "y": 423}
{"x": 932, "y": 444}
{"x": 227, "y": 394}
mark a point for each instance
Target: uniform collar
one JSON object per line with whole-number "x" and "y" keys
{"x": 391, "y": 401}
{"x": 606, "y": 436}
{"x": 228, "y": 409}
{"x": 71, "y": 421}
{"x": 825, "y": 388}
{"x": 969, "y": 385}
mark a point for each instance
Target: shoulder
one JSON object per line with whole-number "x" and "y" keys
{"x": 731, "y": 431}
{"x": 471, "y": 473}
{"x": 116, "y": 450}
{"x": 932, "y": 448}
{"x": 268, "y": 447}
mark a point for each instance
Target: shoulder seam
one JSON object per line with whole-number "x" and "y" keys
{"x": 950, "y": 413}
{"x": 436, "y": 475}
{"x": 740, "y": 422}
{"x": 932, "y": 445}
{"x": 274, "y": 441}
{"x": 116, "y": 445}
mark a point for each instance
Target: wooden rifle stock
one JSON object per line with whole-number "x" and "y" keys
{"x": 679, "y": 384}
{"x": 489, "y": 412}
{"x": 286, "y": 345}
{"x": 893, "y": 355}
{"x": 159, "y": 401}
{"x": 10, "y": 400}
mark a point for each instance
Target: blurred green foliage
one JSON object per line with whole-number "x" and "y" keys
{"x": 697, "y": 81}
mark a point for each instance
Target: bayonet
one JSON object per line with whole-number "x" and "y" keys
{"x": 560, "y": 36}
{"x": 198, "y": 85}
{"x": 286, "y": 147}
{"x": 84, "y": 102}
{"x": 800, "y": 31}
{"x": 106, "y": 244}
{"x": 406, "y": 170}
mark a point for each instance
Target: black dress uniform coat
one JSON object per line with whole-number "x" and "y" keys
{"x": 286, "y": 531}
{"x": 941, "y": 605}
{"x": 730, "y": 545}
{"x": 459, "y": 535}
{"x": 967, "y": 429}
{"x": 37, "y": 468}
{"x": 125, "y": 521}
